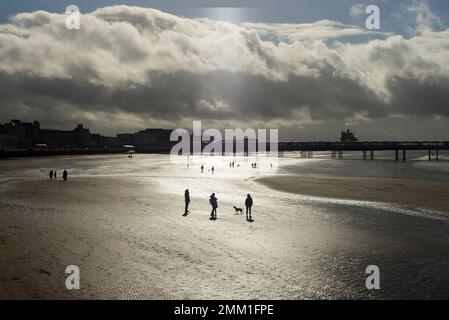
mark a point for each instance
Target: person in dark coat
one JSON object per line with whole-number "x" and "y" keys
{"x": 248, "y": 205}
{"x": 65, "y": 175}
{"x": 187, "y": 202}
{"x": 214, "y": 203}
{"x": 51, "y": 174}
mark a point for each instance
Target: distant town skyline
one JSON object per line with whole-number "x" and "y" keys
{"x": 308, "y": 68}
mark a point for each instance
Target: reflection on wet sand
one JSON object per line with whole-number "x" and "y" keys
{"x": 120, "y": 220}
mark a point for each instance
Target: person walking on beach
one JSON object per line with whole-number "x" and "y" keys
{"x": 214, "y": 203}
{"x": 55, "y": 175}
{"x": 64, "y": 175}
{"x": 213, "y": 169}
{"x": 202, "y": 168}
{"x": 248, "y": 205}
{"x": 51, "y": 174}
{"x": 187, "y": 202}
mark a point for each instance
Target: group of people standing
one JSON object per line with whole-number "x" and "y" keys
{"x": 212, "y": 169}
{"x": 232, "y": 165}
{"x": 213, "y": 200}
{"x": 54, "y": 175}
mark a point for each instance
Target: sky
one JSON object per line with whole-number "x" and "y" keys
{"x": 308, "y": 67}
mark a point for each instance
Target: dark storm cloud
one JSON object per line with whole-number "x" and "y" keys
{"x": 429, "y": 97}
{"x": 196, "y": 95}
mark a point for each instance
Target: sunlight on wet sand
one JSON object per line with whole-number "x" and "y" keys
{"x": 120, "y": 220}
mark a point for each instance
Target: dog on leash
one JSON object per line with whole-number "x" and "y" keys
{"x": 238, "y": 210}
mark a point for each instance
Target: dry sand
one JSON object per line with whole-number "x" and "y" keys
{"x": 419, "y": 193}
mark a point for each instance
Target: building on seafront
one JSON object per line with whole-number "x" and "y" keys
{"x": 147, "y": 140}
{"x": 15, "y": 135}
{"x": 29, "y": 135}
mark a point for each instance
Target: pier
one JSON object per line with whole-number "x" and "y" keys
{"x": 368, "y": 149}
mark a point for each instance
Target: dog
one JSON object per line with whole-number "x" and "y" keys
{"x": 238, "y": 210}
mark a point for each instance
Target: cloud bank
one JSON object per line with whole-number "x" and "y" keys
{"x": 132, "y": 67}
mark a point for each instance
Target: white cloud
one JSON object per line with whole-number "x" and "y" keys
{"x": 320, "y": 30}
{"x": 138, "y": 63}
{"x": 357, "y": 10}
{"x": 425, "y": 19}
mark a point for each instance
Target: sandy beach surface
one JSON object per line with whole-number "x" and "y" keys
{"x": 120, "y": 221}
{"x": 408, "y": 192}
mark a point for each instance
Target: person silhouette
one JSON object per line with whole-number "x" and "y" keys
{"x": 248, "y": 205}
{"x": 51, "y": 174}
{"x": 202, "y": 168}
{"x": 64, "y": 175}
{"x": 187, "y": 202}
{"x": 213, "y": 170}
{"x": 55, "y": 175}
{"x": 214, "y": 203}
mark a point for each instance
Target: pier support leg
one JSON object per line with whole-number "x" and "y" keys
{"x": 340, "y": 154}
{"x": 397, "y": 155}
{"x": 438, "y": 155}
{"x": 333, "y": 154}
{"x": 404, "y": 155}
{"x": 365, "y": 155}
{"x": 372, "y": 155}
{"x": 430, "y": 155}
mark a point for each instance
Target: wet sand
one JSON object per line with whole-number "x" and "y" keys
{"x": 127, "y": 234}
{"x": 130, "y": 242}
{"x": 419, "y": 193}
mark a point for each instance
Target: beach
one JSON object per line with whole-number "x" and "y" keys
{"x": 408, "y": 192}
{"x": 120, "y": 221}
